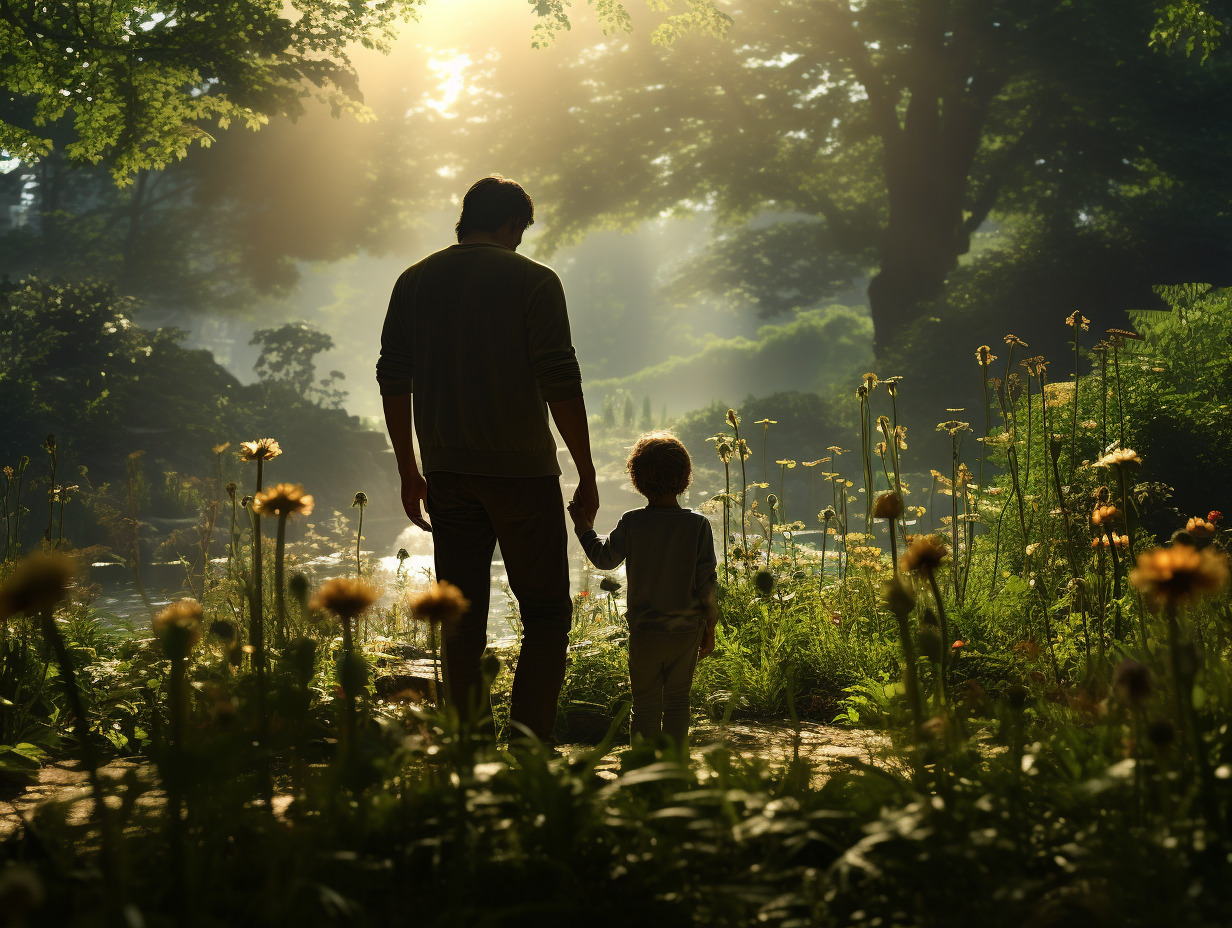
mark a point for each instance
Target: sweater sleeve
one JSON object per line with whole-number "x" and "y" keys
{"x": 395, "y": 368}
{"x": 706, "y": 576}
{"x": 606, "y": 552}
{"x": 552, "y": 358}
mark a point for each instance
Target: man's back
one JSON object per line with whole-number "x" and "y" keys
{"x": 481, "y": 335}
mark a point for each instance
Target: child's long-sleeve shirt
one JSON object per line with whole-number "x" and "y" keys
{"x": 670, "y": 570}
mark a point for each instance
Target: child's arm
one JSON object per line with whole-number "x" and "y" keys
{"x": 605, "y": 552}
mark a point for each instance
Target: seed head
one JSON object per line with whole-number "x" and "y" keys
{"x": 888, "y": 506}
{"x": 924, "y": 555}
{"x": 1174, "y": 576}
{"x": 361, "y": 500}
{"x": 178, "y": 628}
{"x": 441, "y": 603}
{"x": 345, "y": 597}
{"x": 260, "y": 449}
{"x": 1015, "y": 340}
{"x": 36, "y": 585}
{"x": 764, "y": 581}
{"x": 231, "y": 488}
{"x": 610, "y": 585}
{"x": 283, "y": 499}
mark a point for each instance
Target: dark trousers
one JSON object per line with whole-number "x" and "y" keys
{"x": 470, "y": 514}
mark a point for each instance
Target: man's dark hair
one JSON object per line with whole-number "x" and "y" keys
{"x": 490, "y": 203}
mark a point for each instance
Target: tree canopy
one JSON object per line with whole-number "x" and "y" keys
{"x": 833, "y": 138}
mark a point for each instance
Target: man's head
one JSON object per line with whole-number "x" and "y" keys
{"x": 494, "y": 203}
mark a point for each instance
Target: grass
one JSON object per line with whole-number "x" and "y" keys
{"x": 1059, "y": 748}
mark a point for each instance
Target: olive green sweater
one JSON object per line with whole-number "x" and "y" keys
{"x": 480, "y": 335}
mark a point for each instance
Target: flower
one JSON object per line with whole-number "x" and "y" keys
{"x": 283, "y": 499}
{"x": 1214, "y": 515}
{"x": 1172, "y": 576}
{"x": 826, "y": 514}
{"x": 870, "y": 381}
{"x": 1103, "y": 514}
{"x": 733, "y": 418}
{"x": 178, "y": 628}
{"x": 888, "y": 506}
{"x": 345, "y": 597}
{"x": 260, "y": 449}
{"x": 1015, "y": 340}
{"x": 231, "y": 488}
{"x": 1200, "y": 528}
{"x": 1078, "y": 321}
{"x": 1035, "y": 366}
{"x": 924, "y": 554}
{"x": 789, "y": 464}
{"x": 984, "y": 355}
{"x": 441, "y": 602}
{"x": 609, "y": 585}
{"x": 220, "y": 448}
{"x": 36, "y": 585}
{"x": 1119, "y": 457}
{"x": 1124, "y": 333}
{"x": 764, "y": 581}
{"x": 360, "y": 500}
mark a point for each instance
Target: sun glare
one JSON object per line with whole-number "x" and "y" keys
{"x": 452, "y": 72}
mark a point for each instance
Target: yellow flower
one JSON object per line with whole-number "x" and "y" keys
{"x": 1104, "y": 514}
{"x": 1015, "y": 340}
{"x": 1078, "y": 320}
{"x": 345, "y": 597}
{"x": 984, "y": 355}
{"x": 1119, "y": 457}
{"x": 178, "y": 627}
{"x": 441, "y": 602}
{"x": 287, "y": 499}
{"x": 260, "y": 449}
{"x": 786, "y": 463}
{"x": 1176, "y": 575}
{"x": 220, "y": 448}
{"x": 1199, "y": 527}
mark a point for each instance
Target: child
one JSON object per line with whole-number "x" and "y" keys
{"x": 671, "y": 585}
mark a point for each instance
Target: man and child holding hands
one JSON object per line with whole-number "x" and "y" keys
{"x": 478, "y": 336}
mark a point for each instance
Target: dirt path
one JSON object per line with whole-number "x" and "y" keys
{"x": 824, "y": 746}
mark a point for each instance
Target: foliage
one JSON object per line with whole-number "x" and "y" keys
{"x": 141, "y": 82}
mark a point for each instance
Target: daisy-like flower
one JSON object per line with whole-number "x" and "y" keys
{"x": 345, "y": 597}
{"x": 766, "y": 422}
{"x": 1174, "y": 576}
{"x": 37, "y": 584}
{"x": 789, "y": 464}
{"x": 178, "y": 628}
{"x": 441, "y": 603}
{"x": 1036, "y": 365}
{"x": 1015, "y": 340}
{"x": 924, "y": 554}
{"x": 870, "y": 381}
{"x": 984, "y": 355}
{"x": 283, "y": 499}
{"x": 1119, "y": 457}
{"x": 1124, "y": 334}
{"x": 260, "y": 449}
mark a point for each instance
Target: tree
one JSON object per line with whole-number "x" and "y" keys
{"x": 288, "y": 355}
{"x": 831, "y": 138}
{"x": 142, "y": 81}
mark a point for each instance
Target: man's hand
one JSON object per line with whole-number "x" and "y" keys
{"x": 707, "y": 645}
{"x": 579, "y": 519}
{"x": 586, "y": 499}
{"x": 415, "y": 496}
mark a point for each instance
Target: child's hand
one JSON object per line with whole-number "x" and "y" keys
{"x": 579, "y": 516}
{"x": 707, "y": 645}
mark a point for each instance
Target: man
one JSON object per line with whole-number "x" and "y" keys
{"x": 480, "y": 335}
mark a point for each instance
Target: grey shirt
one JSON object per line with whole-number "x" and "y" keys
{"x": 479, "y": 334}
{"x": 670, "y": 570}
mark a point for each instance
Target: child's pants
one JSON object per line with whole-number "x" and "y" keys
{"x": 661, "y": 674}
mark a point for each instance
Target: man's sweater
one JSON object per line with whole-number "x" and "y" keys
{"x": 671, "y": 565}
{"x": 480, "y": 335}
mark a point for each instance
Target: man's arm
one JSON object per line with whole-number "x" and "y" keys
{"x": 414, "y": 487}
{"x": 570, "y": 418}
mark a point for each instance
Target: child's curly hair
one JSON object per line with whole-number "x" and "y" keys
{"x": 659, "y": 465}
